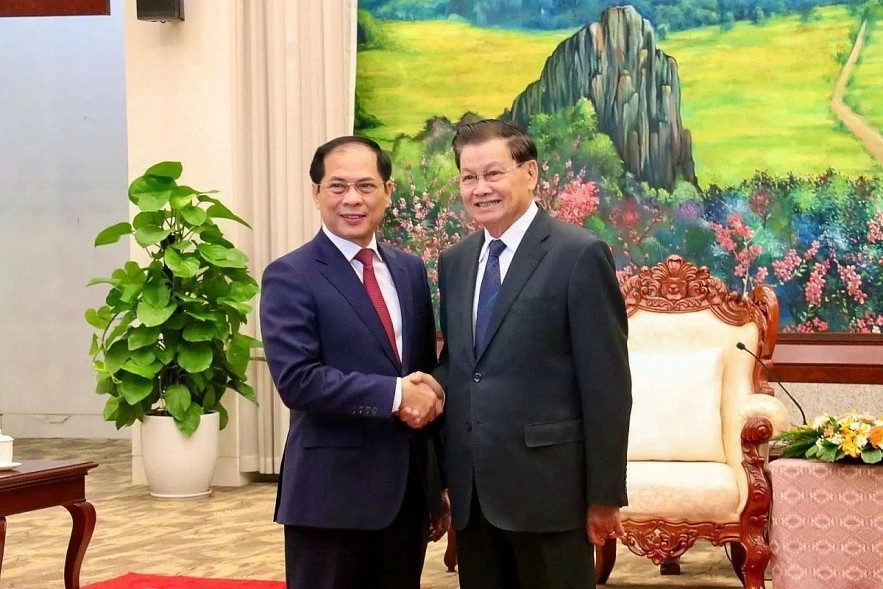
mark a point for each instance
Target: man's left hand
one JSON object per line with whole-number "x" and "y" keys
{"x": 438, "y": 526}
{"x": 603, "y": 523}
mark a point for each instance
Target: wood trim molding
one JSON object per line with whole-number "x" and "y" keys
{"x": 54, "y": 8}
{"x": 829, "y": 358}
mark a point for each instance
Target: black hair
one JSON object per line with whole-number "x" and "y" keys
{"x": 317, "y": 167}
{"x": 521, "y": 145}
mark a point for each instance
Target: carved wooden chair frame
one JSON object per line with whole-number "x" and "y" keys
{"x": 676, "y": 286}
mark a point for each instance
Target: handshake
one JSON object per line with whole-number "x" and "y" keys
{"x": 422, "y": 400}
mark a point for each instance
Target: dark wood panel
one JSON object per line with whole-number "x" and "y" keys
{"x": 830, "y": 373}
{"x": 54, "y": 7}
{"x": 830, "y": 358}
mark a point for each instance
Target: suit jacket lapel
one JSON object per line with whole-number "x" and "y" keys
{"x": 339, "y": 272}
{"x": 464, "y": 283}
{"x": 527, "y": 257}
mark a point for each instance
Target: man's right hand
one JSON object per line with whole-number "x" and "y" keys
{"x": 422, "y": 399}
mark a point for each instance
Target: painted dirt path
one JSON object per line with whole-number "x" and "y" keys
{"x": 858, "y": 126}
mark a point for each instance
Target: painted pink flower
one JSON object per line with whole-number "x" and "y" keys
{"x": 785, "y": 268}
{"x": 578, "y": 201}
{"x": 853, "y": 281}
{"x": 815, "y": 284}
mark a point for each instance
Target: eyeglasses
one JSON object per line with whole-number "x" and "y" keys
{"x": 491, "y": 176}
{"x": 363, "y": 187}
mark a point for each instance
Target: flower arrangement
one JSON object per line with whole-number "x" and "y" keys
{"x": 852, "y": 436}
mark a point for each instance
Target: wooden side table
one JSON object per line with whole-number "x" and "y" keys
{"x": 38, "y": 484}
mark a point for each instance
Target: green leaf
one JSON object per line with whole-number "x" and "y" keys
{"x": 116, "y": 356}
{"x": 97, "y": 319}
{"x": 182, "y": 197}
{"x": 239, "y": 307}
{"x": 223, "y": 257}
{"x": 181, "y": 266}
{"x": 214, "y": 235}
{"x": 121, "y": 329}
{"x": 126, "y": 415}
{"x": 243, "y": 292}
{"x": 218, "y": 211}
{"x": 95, "y": 281}
{"x": 94, "y": 347}
{"x": 143, "y": 336}
{"x": 191, "y": 420}
{"x": 165, "y": 354}
{"x": 194, "y": 216}
{"x": 147, "y": 372}
{"x": 872, "y": 455}
{"x": 195, "y": 357}
{"x": 247, "y": 392}
{"x": 247, "y": 340}
{"x": 113, "y": 233}
{"x": 170, "y": 170}
{"x": 177, "y": 400}
{"x": 225, "y": 417}
{"x": 111, "y": 409}
{"x": 150, "y": 235}
{"x": 237, "y": 356}
{"x": 828, "y": 453}
{"x": 143, "y": 356}
{"x": 105, "y": 386}
{"x": 149, "y": 219}
{"x": 209, "y": 400}
{"x": 156, "y": 294}
{"x": 151, "y": 202}
{"x": 130, "y": 291}
{"x": 152, "y": 316}
{"x": 199, "y": 332}
{"x": 135, "y": 388}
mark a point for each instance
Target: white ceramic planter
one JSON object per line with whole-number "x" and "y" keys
{"x": 176, "y": 466}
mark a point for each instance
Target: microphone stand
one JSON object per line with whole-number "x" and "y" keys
{"x": 772, "y": 377}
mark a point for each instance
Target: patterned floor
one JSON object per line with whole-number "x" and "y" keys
{"x": 227, "y": 535}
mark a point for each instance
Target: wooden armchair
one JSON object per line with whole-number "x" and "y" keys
{"x": 702, "y": 414}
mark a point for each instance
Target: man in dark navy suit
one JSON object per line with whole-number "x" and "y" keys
{"x": 535, "y": 365}
{"x": 349, "y": 335}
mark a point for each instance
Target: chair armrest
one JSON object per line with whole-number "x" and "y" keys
{"x": 761, "y": 405}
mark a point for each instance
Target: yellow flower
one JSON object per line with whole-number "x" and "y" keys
{"x": 850, "y": 448}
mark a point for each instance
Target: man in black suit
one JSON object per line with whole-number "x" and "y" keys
{"x": 349, "y": 336}
{"x": 535, "y": 367}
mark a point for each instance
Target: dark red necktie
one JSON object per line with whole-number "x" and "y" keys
{"x": 366, "y": 256}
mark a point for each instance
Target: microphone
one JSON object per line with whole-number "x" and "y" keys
{"x": 773, "y": 377}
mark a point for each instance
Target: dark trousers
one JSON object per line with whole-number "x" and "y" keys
{"x": 390, "y": 558}
{"x": 491, "y": 558}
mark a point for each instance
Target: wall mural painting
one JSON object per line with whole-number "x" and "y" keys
{"x": 745, "y": 135}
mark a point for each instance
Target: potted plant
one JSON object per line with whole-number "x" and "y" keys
{"x": 168, "y": 344}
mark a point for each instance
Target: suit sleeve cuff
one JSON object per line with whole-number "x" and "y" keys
{"x": 397, "y": 399}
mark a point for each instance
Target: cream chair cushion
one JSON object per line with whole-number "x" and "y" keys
{"x": 676, "y": 490}
{"x": 676, "y": 409}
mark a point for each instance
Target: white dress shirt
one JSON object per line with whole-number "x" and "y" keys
{"x": 387, "y": 287}
{"x": 512, "y": 238}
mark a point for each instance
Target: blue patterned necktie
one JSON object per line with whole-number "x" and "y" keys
{"x": 487, "y": 296}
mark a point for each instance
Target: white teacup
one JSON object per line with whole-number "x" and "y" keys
{"x": 5, "y": 449}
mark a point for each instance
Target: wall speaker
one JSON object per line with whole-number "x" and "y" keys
{"x": 160, "y": 10}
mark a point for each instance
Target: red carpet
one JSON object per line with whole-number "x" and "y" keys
{"x": 136, "y": 581}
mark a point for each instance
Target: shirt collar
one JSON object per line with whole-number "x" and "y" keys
{"x": 348, "y": 248}
{"x": 514, "y": 234}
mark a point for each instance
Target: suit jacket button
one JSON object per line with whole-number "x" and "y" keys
{"x": 476, "y": 377}
{"x": 468, "y": 426}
